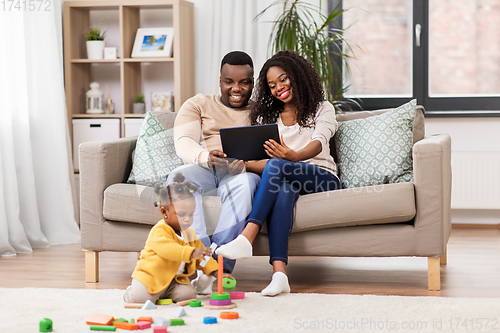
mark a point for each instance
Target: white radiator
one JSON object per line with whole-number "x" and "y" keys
{"x": 475, "y": 180}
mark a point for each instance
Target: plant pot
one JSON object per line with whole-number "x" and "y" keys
{"x": 139, "y": 108}
{"x": 95, "y": 49}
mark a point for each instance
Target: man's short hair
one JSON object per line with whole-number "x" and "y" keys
{"x": 236, "y": 58}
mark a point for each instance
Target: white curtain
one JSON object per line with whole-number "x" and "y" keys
{"x": 36, "y": 201}
{"x": 228, "y": 25}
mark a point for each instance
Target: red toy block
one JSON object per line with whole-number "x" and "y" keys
{"x": 160, "y": 329}
{"x": 149, "y": 319}
{"x": 97, "y": 319}
{"x": 125, "y": 326}
{"x": 143, "y": 324}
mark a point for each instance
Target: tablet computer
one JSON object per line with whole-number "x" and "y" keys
{"x": 247, "y": 143}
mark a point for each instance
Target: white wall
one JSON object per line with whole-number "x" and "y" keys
{"x": 469, "y": 135}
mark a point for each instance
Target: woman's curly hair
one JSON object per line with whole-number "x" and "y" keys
{"x": 306, "y": 87}
{"x": 178, "y": 190}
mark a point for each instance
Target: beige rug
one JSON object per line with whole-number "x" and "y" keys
{"x": 22, "y": 309}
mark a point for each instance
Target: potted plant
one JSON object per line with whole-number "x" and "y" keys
{"x": 95, "y": 44}
{"x": 139, "y": 105}
{"x": 302, "y": 27}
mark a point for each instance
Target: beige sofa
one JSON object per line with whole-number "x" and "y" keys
{"x": 403, "y": 219}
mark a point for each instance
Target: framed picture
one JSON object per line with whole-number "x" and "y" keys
{"x": 153, "y": 42}
{"x": 162, "y": 101}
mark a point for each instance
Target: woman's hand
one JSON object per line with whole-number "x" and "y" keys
{"x": 276, "y": 150}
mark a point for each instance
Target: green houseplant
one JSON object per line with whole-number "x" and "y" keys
{"x": 95, "y": 34}
{"x": 302, "y": 27}
{"x": 95, "y": 44}
{"x": 139, "y": 105}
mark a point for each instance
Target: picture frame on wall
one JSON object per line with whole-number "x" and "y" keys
{"x": 153, "y": 42}
{"x": 162, "y": 101}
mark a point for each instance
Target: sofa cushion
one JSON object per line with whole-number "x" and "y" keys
{"x": 418, "y": 124}
{"x": 392, "y": 203}
{"x": 378, "y": 149}
{"x": 131, "y": 203}
{"x": 155, "y": 155}
{"x": 135, "y": 204}
{"x": 379, "y": 204}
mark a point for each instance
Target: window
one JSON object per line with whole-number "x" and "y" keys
{"x": 444, "y": 53}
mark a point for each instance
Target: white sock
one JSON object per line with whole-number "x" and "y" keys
{"x": 203, "y": 284}
{"x": 239, "y": 248}
{"x": 279, "y": 284}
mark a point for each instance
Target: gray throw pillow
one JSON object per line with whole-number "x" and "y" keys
{"x": 154, "y": 156}
{"x": 377, "y": 150}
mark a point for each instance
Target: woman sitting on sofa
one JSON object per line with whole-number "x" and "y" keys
{"x": 289, "y": 93}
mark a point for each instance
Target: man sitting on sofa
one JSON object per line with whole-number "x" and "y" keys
{"x": 198, "y": 144}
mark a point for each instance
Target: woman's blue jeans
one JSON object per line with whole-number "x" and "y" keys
{"x": 280, "y": 185}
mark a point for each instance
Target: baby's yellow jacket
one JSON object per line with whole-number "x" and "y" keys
{"x": 163, "y": 254}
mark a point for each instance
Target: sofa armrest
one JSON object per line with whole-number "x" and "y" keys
{"x": 102, "y": 164}
{"x": 432, "y": 180}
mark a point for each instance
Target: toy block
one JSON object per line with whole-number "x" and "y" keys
{"x": 209, "y": 320}
{"x": 132, "y": 321}
{"x": 125, "y": 326}
{"x": 121, "y": 319}
{"x": 160, "y": 329}
{"x": 45, "y": 325}
{"x": 164, "y": 301}
{"x": 228, "y": 283}
{"x": 229, "y": 315}
{"x": 148, "y": 319}
{"x": 222, "y": 296}
{"x": 102, "y": 328}
{"x": 176, "y": 322}
{"x": 161, "y": 321}
{"x": 148, "y": 305}
{"x": 133, "y": 305}
{"x": 237, "y": 294}
{"x": 203, "y": 263}
{"x": 186, "y": 302}
{"x": 221, "y": 302}
{"x": 97, "y": 319}
{"x": 143, "y": 324}
{"x": 220, "y": 272}
{"x": 195, "y": 304}
{"x": 180, "y": 312}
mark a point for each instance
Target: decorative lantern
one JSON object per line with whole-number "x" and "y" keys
{"x": 94, "y": 99}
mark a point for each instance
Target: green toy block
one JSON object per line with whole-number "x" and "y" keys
{"x": 121, "y": 319}
{"x": 176, "y": 322}
{"x": 220, "y": 297}
{"x": 195, "y": 303}
{"x": 45, "y": 325}
{"x": 102, "y": 328}
{"x": 228, "y": 283}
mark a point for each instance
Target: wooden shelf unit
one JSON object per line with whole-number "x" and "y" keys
{"x": 78, "y": 68}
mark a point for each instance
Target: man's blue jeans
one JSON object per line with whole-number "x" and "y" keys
{"x": 279, "y": 188}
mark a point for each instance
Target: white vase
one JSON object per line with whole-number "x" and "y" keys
{"x": 139, "y": 108}
{"x": 95, "y": 49}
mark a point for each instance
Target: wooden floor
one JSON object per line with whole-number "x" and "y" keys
{"x": 473, "y": 270}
